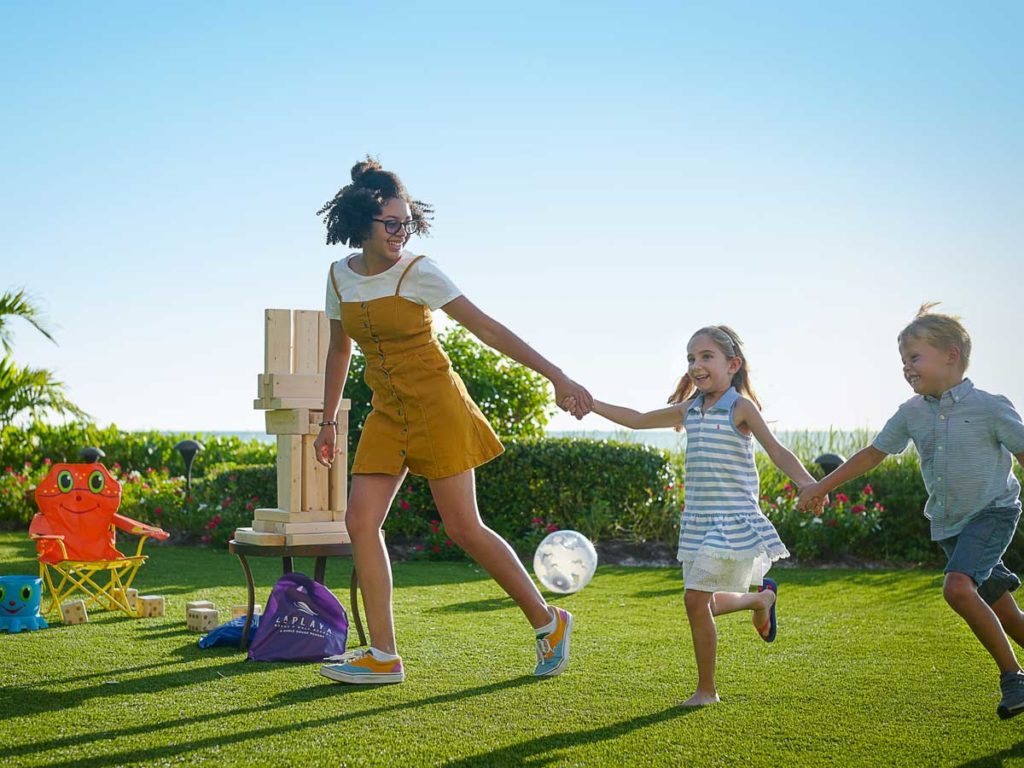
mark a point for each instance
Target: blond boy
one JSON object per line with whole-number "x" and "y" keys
{"x": 965, "y": 438}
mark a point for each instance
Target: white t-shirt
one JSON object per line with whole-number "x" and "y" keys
{"x": 424, "y": 284}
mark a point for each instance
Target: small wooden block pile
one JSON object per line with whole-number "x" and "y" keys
{"x": 310, "y": 497}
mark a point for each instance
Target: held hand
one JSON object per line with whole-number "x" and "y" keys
{"x": 810, "y": 496}
{"x": 324, "y": 447}
{"x": 573, "y": 397}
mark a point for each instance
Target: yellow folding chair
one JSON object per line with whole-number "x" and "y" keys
{"x": 74, "y": 533}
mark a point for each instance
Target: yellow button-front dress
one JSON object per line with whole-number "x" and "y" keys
{"x": 422, "y": 416}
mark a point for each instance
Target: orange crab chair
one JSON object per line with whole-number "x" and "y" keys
{"x": 74, "y": 535}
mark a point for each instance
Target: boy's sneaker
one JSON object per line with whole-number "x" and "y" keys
{"x": 362, "y": 667}
{"x": 1012, "y": 686}
{"x": 553, "y": 646}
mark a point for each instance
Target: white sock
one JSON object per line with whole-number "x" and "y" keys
{"x": 381, "y": 656}
{"x": 550, "y": 626}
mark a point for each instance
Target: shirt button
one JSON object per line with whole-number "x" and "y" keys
{"x": 939, "y": 477}
{"x": 940, "y": 447}
{"x": 942, "y": 416}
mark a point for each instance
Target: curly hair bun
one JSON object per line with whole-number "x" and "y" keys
{"x": 360, "y": 169}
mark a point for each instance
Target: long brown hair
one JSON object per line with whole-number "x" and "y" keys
{"x": 731, "y": 345}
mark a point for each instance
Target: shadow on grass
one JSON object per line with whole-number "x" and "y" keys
{"x": 257, "y": 712}
{"x": 40, "y": 698}
{"x": 476, "y": 606}
{"x": 545, "y": 750}
{"x": 996, "y": 759}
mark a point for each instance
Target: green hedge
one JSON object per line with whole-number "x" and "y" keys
{"x": 603, "y": 489}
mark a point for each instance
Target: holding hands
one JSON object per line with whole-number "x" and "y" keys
{"x": 572, "y": 397}
{"x": 812, "y": 497}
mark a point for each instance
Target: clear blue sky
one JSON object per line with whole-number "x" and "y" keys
{"x": 608, "y": 177}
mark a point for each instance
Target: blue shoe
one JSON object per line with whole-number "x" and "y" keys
{"x": 362, "y": 667}
{"x": 1012, "y": 686}
{"x": 553, "y": 646}
{"x": 771, "y": 627}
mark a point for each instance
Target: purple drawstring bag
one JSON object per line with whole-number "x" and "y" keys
{"x": 303, "y": 621}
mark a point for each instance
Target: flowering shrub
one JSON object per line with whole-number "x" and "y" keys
{"x": 830, "y": 533}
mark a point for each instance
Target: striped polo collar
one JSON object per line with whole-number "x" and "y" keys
{"x": 725, "y": 402}
{"x": 956, "y": 394}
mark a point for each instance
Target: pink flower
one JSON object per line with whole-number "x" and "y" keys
{"x": 225, "y": 502}
{"x": 858, "y": 509}
{"x": 842, "y": 498}
{"x": 435, "y": 548}
{"x": 46, "y": 462}
{"x": 449, "y": 543}
{"x": 831, "y": 523}
{"x": 537, "y": 520}
{"x": 217, "y": 519}
{"x": 206, "y": 539}
{"x": 419, "y": 547}
{"x": 250, "y": 507}
{"x": 8, "y": 470}
{"x": 158, "y": 511}
{"x": 788, "y": 488}
{"x": 404, "y": 504}
{"x": 435, "y": 529}
{"x": 551, "y": 528}
{"x": 879, "y": 507}
{"x": 868, "y": 490}
{"x": 408, "y": 489}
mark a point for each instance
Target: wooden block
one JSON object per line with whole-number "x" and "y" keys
{"x": 73, "y": 612}
{"x": 274, "y": 403}
{"x": 323, "y": 341}
{"x": 196, "y": 604}
{"x": 249, "y": 536}
{"x": 292, "y": 421}
{"x": 265, "y": 526}
{"x": 202, "y": 619}
{"x": 242, "y": 610}
{"x": 277, "y": 341}
{"x": 337, "y": 478}
{"x": 290, "y": 385}
{"x": 289, "y": 472}
{"x": 294, "y": 539}
{"x": 131, "y": 596}
{"x": 314, "y": 477}
{"x": 306, "y": 347}
{"x": 284, "y": 516}
{"x": 150, "y": 605}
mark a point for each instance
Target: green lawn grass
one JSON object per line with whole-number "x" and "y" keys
{"x": 870, "y": 668}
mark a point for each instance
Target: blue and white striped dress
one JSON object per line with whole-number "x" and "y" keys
{"x": 726, "y": 544}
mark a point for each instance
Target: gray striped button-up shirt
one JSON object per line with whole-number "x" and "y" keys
{"x": 965, "y": 439}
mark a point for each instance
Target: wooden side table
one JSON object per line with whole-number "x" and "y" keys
{"x": 319, "y": 551}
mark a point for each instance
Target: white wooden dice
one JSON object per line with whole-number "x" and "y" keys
{"x": 202, "y": 619}
{"x": 73, "y": 612}
{"x": 241, "y": 610}
{"x": 149, "y": 606}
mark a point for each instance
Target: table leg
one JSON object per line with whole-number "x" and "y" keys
{"x": 354, "y": 597}
{"x": 319, "y": 569}
{"x": 252, "y": 603}
{"x": 287, "y": 561}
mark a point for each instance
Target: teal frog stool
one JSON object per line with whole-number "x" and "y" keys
{"x": 20, "y": 597}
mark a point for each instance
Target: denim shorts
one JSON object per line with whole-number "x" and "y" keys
{"x": 978, "y": 551}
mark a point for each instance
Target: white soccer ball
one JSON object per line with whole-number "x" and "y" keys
{"x": 565, "y": 561}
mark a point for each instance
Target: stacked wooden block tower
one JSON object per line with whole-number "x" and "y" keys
{"x": 310, "y": 498}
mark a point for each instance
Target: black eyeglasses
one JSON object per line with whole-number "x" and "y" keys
{"x": 394, "y": 226}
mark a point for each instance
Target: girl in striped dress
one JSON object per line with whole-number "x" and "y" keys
{"x": 726, "y": 544}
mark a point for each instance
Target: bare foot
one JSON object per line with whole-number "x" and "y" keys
{"x": 700, "y": 699}
{"x": 762, "y": 613}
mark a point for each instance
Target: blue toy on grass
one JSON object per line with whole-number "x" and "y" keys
{"x": 19, "y": 603}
